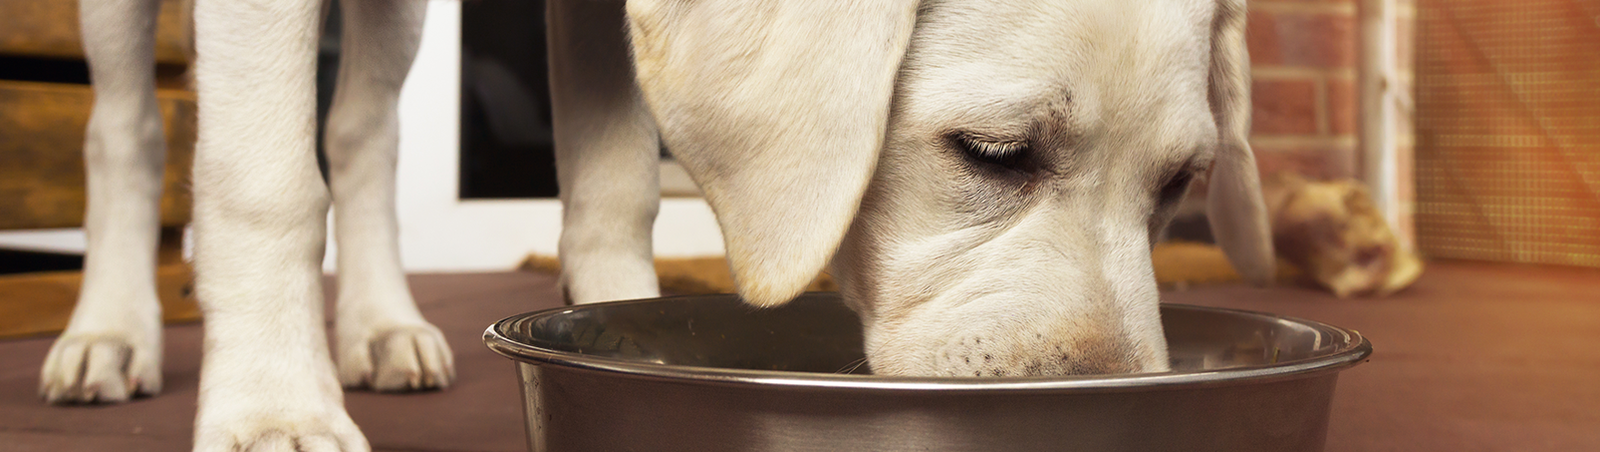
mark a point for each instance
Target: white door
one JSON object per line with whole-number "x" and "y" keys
{"x": 440, "y": 232}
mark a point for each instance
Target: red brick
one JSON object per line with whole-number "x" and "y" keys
{"x": 1320, "y": 162}
{"x": 1302, "y": 39}
{"x": 1343, "y": 106}
{"x": 1284, "y": 107}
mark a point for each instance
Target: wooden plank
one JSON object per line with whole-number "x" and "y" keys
{"x": 40, "y": 303}
{"x": 49, "y": 28}
{"x": 170, "y": 249}
{"x": 1178, "y": 265}
{"x": 41, "y": 154}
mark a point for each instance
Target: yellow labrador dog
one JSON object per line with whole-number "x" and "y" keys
{"x": 985, "y": 179}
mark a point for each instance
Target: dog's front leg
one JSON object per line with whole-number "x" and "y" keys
{"x": 260, "y": 209}
{"x": 112, "y": 347}
{"x": 607, "y": 156}
{"x": 383, "y": 341}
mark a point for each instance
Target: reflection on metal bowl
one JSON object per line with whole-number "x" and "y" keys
{"x": 711, "y": 373}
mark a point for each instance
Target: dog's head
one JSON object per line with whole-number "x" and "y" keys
{"x": 986, "y": 177}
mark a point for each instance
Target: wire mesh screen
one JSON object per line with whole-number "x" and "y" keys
{"x": 1508, "y": 130}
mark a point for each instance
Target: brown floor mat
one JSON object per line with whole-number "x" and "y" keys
{"x": 1474, "y": 357}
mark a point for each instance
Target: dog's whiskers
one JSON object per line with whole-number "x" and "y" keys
{"x": 851, "y": 368}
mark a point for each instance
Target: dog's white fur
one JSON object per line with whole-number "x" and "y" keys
{"x": 823, "y": 130}
{"x": 842, "y": 132}
{"x": 112, "y": 346}
{"x": 267, "y": 380}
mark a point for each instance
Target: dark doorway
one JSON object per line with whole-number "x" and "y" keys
{"x": 507, "y": 149}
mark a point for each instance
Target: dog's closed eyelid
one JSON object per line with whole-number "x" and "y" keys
{"x": 996, "y": 148}
{"x": 1006, "y": 152}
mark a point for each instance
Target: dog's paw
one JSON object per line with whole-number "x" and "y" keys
{"x": 300, "y": 430}
{"x": 400, "y": 358}
{"x": 101, "y": 368}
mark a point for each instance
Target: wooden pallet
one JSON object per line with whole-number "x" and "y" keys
{"x": 40, "y": 303}
{"x": 49, "y": 29}
{"x": 41, "y": 158}
{"x": 41, "y": 154}
{"x": 42, "y": 187}
{"x": 1178, "y": 265}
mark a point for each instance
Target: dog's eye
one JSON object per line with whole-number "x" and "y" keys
{"x": 1008, "y": 153}
{"x": 1175, "y": 187}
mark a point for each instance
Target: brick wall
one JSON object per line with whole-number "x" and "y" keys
{"x": 1303, "y": 55}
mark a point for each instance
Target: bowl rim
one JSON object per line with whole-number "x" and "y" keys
{"x": 1354, "y": 350}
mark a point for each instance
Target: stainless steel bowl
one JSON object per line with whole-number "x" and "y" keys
{"x": 709, "y": 373}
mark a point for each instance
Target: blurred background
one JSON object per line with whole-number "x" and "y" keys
{"x": 1472, "y": 125}
{"x": 1463, "y": 132}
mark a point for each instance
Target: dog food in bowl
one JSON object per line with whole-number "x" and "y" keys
{"x": 711, "y": 373}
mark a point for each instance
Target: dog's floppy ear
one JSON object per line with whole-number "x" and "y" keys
{"x": 777, "y": 109}
{"x": 1234, "y": 205}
